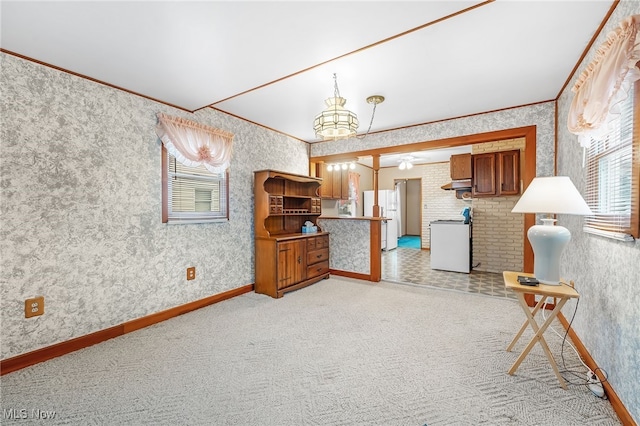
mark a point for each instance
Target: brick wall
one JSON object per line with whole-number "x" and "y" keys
{"x": 437, "y": 203}
{"x": 505, "y": 145}
{"x": 497, "y": 233}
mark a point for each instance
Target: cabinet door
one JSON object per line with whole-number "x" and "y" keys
{"x": 291, "y": 263}
{"x": 460, "y": 166}
{"x": 326, "y": 187}
{"x": 336, "y": 179}
{"x": 344, "y": 187}
{"x": 332, "y": 182}
{"x": 509, "y": 172}
{"x": 335, "y": 183}
{"x": 484, "y": 174}
{"x": 340, "y": 184}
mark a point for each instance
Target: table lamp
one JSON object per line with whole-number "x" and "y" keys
{"x": 550, "y": 195}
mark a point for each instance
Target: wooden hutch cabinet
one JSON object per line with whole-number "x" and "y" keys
{"x": 286, "y": 258}
{"x": 496, "y": 174}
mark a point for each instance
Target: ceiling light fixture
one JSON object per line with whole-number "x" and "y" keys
{"x": 375, "y": 100}
{"x": 406, "y": 163}
{"x": 337, "y": 122}
{"x": 344, "y": 166}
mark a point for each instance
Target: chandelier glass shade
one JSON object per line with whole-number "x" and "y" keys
{"x": 335, "y": 122}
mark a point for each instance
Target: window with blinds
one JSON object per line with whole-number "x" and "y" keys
{"x": 613, "y": 175}
{"x": 193, "y": 194}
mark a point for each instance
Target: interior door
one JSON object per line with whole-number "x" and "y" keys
{"x": 401, "y": 198}
{"x": 414, "y": 213}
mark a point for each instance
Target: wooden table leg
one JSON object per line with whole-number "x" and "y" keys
{"x": 538, "y": 337}
{"x": 526, "y": 322}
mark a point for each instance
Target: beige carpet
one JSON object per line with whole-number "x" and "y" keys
{"x": 340, "y": 352}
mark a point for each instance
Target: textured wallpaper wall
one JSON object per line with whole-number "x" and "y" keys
{"x": 81, "y": 208}
{"x": 605, "y": 271}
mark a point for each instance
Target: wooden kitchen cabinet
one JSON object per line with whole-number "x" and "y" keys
{"x": 335, "y": 183}
{"x": 484, "y": 174}
{"x": 496, "y": 173}
{"x": 460, "y": 167}
{"x": 508, "y": 172}
{"x": 285, "y": 258}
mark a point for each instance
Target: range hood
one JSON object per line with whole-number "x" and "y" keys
{"x": 457, "y": 185}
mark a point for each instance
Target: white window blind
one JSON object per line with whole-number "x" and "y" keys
{"x": 194, "y": 194}
{"x": 612, "y": 176}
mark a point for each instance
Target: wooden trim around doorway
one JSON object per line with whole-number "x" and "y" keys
{"x": 527, "y": 175}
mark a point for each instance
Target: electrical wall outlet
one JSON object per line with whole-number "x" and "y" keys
{"x": 191, "y": 273}
{"x": 34, "y": 307}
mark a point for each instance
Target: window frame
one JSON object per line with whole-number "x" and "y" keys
{"x": 605, "y": 228}
{"x": 201, "y": 217}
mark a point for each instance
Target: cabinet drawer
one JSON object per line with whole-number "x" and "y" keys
{"x": 317, "y": 256}
{"x": 316, "y": 205}
{"x": 275, "y": 204}
{"x": 317, "y": 269}
{"x": 322, "y": 242}
{"x": 316, "y": 243}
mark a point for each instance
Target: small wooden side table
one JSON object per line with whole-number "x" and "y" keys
{"x": 562, "y": 293}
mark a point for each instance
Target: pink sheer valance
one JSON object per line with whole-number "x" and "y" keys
{"x": 195, "y": 144}
{"x": 354, "y": 186}
{"x": 606, "y": 81}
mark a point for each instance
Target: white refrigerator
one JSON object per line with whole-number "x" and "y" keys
{"x": 388, "y": 208}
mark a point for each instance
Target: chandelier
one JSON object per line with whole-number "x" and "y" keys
{"x": 337, "y": 122}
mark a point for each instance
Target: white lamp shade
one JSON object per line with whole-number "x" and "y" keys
{"x": 555, "y": 195}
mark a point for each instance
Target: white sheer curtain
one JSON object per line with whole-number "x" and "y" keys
{"x": 606, "y": 82}
{"x": 195, "y": 144}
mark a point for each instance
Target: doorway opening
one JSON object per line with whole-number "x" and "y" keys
{"x": 409, "y": 195}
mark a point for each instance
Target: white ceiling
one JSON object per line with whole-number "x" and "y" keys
{"x": 272, "y": 63}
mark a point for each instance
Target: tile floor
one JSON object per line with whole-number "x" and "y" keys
{"x": 413, "y": 266}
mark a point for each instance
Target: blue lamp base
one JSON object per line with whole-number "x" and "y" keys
{"x": 548, "y": 241}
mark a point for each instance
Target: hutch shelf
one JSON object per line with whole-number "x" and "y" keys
{"x": 286, "y": 258}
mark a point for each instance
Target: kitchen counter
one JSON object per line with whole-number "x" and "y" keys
{"x": 354, "y": 243}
